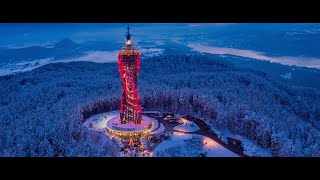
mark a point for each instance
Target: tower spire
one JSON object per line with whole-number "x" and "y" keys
{"x": 128, "y": 29}
{"x": 128, "y": 41}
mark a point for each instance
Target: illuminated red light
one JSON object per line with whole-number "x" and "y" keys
{"x": 129, "y": 66}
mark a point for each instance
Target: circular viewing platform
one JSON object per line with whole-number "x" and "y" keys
{"x": 114, "y": 126}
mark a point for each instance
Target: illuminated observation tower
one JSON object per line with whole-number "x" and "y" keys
{"x": 129, "y": 66}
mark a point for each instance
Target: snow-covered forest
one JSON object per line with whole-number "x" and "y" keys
{"x": 41, "y": 111}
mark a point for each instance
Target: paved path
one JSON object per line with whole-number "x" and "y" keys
{"x": 202, "y": 131}
{"x": 167, "y": 127}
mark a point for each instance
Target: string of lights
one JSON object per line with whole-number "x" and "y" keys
{"x": 129, "y": 66}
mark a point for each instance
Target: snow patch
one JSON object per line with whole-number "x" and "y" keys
{"x": 187, "y": 126}
{"x": 23, "y": 66}
{"x": 250, "y": 148}
{"x": 191, "y": 145}
{"x": 159, "y": 130}
{"x": 286, "y": 60}
{"x": 159, "y": 42}
{"x": 99, "y": 121}
{"x": 149, "y": 52}
{"x": 286, "y": 76}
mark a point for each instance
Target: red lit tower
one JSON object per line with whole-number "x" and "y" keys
{"x": 129, "y": 66}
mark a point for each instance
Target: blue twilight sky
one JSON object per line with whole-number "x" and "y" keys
{"x": 23, "y": 34}
{"x": 28, "y": 34}
{"x": 265, "y": 41}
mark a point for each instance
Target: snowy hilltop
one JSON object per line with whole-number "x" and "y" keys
{"x": 42, "y": 111}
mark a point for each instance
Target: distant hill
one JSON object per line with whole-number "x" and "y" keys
{"x": 66, "y": 44}
{"x": 62, "y": 49}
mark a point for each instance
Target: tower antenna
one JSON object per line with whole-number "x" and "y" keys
{"x": 128, "y": 29}
{"x": 128, "y": 42}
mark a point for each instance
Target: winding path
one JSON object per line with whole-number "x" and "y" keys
{"x": 169, "y": 127}
{"x": 204, "y": 132}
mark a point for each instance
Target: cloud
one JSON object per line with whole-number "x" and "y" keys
{"x": 92, "y": 56}
{"x": 286, "y": 60}
{"x": 159, "y": 43}
{"x": 110, "y": 56}
{"x": 192, "y": 25}
{"x": 223, "y": 24}
{"x": 95, "y": 56}
{"x": 23, "y": 66}
{"x": 151, "y": 52}
{"x": 215, "y": 24}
